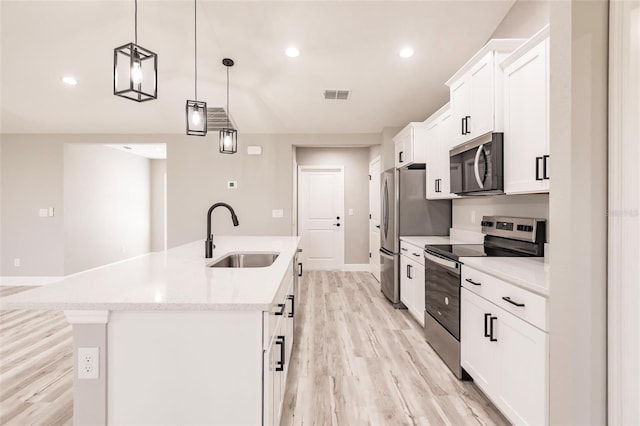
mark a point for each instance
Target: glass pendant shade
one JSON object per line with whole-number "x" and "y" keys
{"x": 228, "y": 141}
{"x": 196, "y": 118}
{"x": 135, "y": 73}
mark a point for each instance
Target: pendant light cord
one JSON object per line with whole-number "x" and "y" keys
{"x": 195, "y": 47}
{"x": 136, "y": 21}
{"x": 227, "y": 96}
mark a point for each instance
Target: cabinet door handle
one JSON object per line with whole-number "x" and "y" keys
{"x": 282, "y": 307}
{"x": 280, "y": 364}
{"x": 462, "y": 120}
{"x": 545, "y": 160}
{"x": 409, "y": 272}
{"x": 293, "y": 305}
{"x": 491, "y": 337}
{"x": 300, "y": 269}
{"x": 486, "y": 331}
{"x": 538, "y": 159}
{"x": 469, "y": 280}
{"x": 400, "y": 155}
{"x": 508, "y": 299}
{"x": 466, "y": 125}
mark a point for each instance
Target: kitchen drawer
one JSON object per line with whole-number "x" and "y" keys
{"x": 412, "y": 252}
{"x": 495, "y": 290}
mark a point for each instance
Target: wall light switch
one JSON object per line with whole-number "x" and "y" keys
{"x": 277, "y": 213}
{"x": 50, "y": 212}
{"x": 43, "y": 212}
{"x": 254, "y": 150}
{"x": 232, "y": 184}
{"x": 350, "y": 212}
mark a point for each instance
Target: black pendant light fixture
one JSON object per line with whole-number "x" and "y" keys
{"x": 135, "y": 69}
{"x": 196, "y": 111}
{"x": 228, "y": 135}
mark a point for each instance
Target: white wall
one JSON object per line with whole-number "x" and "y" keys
{"x": 158, "y": 170}
{"x": 107, "y": 206}
{"x": 577, "y": 211}
{"x": 356, "y": 194}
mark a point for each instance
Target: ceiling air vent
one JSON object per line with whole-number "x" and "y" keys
{"x": 217, "y": 119}
{"x": 340, "y": 95}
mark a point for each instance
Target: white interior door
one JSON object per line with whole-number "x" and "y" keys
{"x": 321, "y": 216}
{"x": 374, "y": 217}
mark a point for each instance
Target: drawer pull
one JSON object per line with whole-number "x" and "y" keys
{"x": 403, "y": 249}
{"x": 508, "y": 299}
{"x": 282, "y": 307}
{"x": 469, "y": 280}
{"x": 417, "y": 255}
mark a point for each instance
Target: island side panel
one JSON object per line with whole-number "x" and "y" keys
{"x": 90, "y": 395}
{"x": 186, "y": 368}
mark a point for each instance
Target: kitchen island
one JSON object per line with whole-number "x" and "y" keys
{"x": 180, "y": 342}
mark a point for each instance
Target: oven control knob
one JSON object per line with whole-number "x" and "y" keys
{"x": 446, "y": 300}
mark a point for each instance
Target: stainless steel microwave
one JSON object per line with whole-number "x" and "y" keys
{"x": 476, "y": 166}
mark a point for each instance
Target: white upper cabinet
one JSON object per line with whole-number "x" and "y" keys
{"x": 410, "y": 145}
{"x": 476, "y": 92}
{"x": 439, "y": 142}
{"x": 526, "y": 116}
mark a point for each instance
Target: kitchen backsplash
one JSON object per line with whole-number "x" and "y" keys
{"x": 468, "y": 212}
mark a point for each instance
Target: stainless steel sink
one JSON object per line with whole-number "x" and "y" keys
{"x": 246, "y": 260}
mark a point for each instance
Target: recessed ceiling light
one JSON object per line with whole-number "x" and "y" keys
{"x": 69, "y": 81}
{"x": 406, "y": 52}
{"x": 292, "y": 52}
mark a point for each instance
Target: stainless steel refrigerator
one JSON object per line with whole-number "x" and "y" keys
{"x": 405, "y": 211}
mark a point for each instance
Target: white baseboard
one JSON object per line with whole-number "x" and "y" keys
{"x": 28, "y": 281}
{"x": 356, "y": 267}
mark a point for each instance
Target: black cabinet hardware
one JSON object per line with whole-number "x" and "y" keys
{"x": 486, "y": 331}
{"x": 491, "y": 337}
{"x": 462, "y": 121}
{"x": 400, "y": 155}
{"x": 293, "y": 305}
{"x": 282, "y": 307}
{"x": 545, "y": 160}
{"x": 417, "y": 255}
{"x": 409, "y": 272}
{"x": 280, "y": 364}
{"x": 378, "y": 226}
{"x": 508, "y": 299}
{"x": 403, "y": 249}
{"x": 466, "y": 125}
{"x": 300, "y": 269}
{"x": 470, "y": 281}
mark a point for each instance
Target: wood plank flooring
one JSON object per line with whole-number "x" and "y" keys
{"x": 35, "y": 367}
{"x": 357, "y": 361}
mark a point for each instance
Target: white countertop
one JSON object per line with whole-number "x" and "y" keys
{"x": 530, "y": 273}
{"x": 177, "y": 279}
{"x": 422, "y": 241}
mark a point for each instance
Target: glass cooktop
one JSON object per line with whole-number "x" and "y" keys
{"x": 457, "y": 251}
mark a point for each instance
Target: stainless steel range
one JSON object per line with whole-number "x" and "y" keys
{"x": 504, "y": 237}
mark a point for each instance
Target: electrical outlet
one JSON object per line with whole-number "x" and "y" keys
{"x": 16, "y": 262}
{"x": 88, "y": 363}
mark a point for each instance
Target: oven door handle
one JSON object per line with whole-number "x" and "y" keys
{"x": 450, "y": 264}
{"x": 476, "y": 166}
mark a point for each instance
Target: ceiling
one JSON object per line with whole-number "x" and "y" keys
{"x": 344, "y": 45}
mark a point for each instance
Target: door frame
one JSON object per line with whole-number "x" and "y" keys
{"x": 341, "y": 230}
{"x": 372, "y": 256}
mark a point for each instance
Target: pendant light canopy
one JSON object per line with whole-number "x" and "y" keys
{"x": 135, "y": 69}
{"x": 228, "y": 135}
{"x": 196, "y": 111}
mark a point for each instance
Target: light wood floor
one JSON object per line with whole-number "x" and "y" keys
{"x": 35, "y": 367}
{"x": 357, "y": 361}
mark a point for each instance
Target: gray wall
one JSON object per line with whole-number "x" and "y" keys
{"x": 578, "y": 206}
{"x": 356, "y": 194}
{"x": 523, "y": 20}
{"x": 158, "y": 169}
{"x": 197, "y": 176}
{"x": 31, "y": 179}
{"x": 106, "y": 204}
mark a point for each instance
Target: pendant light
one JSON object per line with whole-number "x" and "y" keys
{"x": 228, "y": 135}
{"x": 196, "y": 111}
{"x": 135, "y": 69}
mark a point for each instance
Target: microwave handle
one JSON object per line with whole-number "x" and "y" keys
{"x": 476, "y": 166}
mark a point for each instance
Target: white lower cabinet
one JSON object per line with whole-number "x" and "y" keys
{"x": 506, "y": 355}
{"x": 277, "y": 353}
{"x": 412, "y": 280}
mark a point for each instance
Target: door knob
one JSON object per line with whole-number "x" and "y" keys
{"x": 338, "y": 217}
{"x": 336, "y": 224}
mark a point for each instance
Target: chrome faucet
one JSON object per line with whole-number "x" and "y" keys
{"x": 208, "y": 244}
